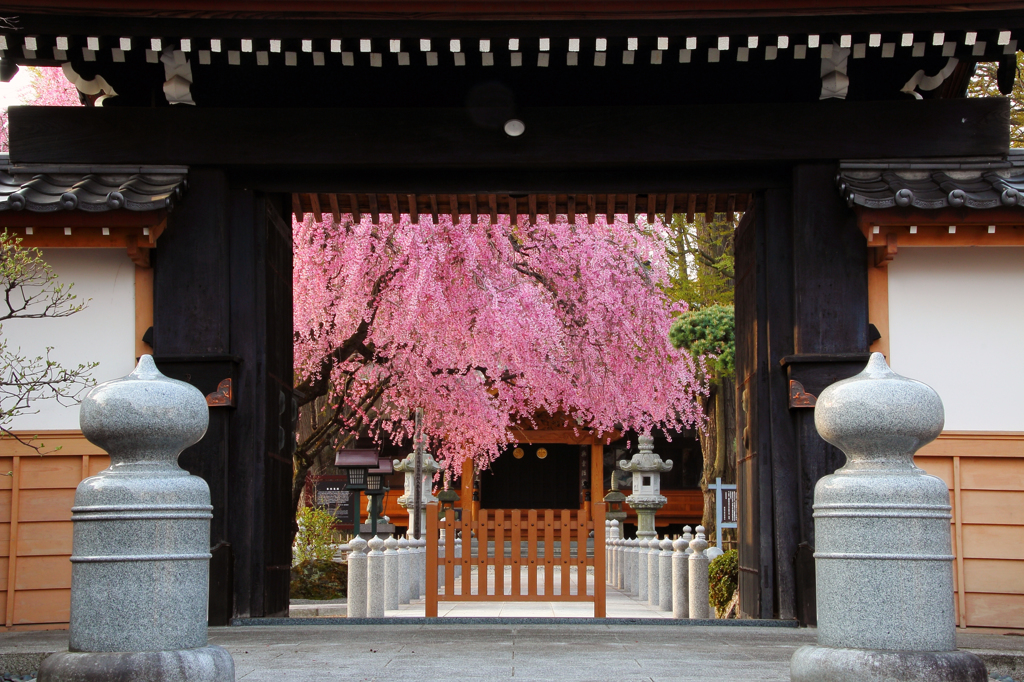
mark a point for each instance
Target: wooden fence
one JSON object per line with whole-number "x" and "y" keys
{"x": 36, "y": 496}
{"x": 496, "y": 538}
{"x": 984, "y": 472}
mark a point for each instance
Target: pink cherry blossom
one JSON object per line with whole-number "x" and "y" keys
{"x": 481, "y": 325}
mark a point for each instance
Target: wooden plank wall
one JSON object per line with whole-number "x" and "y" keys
{"x": 36, "y": 496}
{"x": 985, "y": 476}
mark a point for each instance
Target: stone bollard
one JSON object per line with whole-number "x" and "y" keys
{"x": 631, "y": 565}
{"x": 665, "y": 575}
{"x": 376, "y": 583}
{"x": 423, "y": 566}
{"x": 623, "y": 570}
{"x": 698, "y": 579}
{"x": 414, "y": 569}
{"x": 357, "y": 578}
{"x": 404, "y": 574}
{"x": 680, "y": 582}
{"x": 687, "y": 536}
{"x": 607, "y": 550}
{"x": 653, "y": 571}
{"x": 883, "y": 560}
{"x": 458, "y": 555}
{"x": 635, "y": 568}
{"x": 615, "y": 562}
{"x": 641, "y": 570}
{"x": 713, "y": 552}
{"x": 141, "y": 546}
{"x": 392, "y": 584}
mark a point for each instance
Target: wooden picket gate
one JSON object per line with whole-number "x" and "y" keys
{"x": 484, "y": 545}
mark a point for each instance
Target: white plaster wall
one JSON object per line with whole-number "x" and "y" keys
{"x": 956, "y": 322}
{"x": 104, "y": 332}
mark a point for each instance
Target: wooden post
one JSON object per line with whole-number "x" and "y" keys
{"x": 467, "y": 487}
{"x": 599, "y": 560}
{"x": 596, "y": 477}
{"x": 431, "y": 538}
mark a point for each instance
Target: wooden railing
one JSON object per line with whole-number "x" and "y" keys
{"x": 539, "y": 543}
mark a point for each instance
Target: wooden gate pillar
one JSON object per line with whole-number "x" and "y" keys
{"x": 222, "y": 321}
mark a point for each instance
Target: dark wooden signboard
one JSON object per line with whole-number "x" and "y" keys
{"x": 332, "y": 496}
{"x": 729, "y": 507}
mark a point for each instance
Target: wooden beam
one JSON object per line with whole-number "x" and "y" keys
{"x": 709, "y": 211}
{"x": 570, "y": 208}
{"x": 335, "y": 211}
{"x": 374, "y": 209}
{"x": 433, "y": 207}
{"x": 453, "y": 202}
{"x": 670, "y": 207}
{"x": 396, "y": 211}
{"x": 314, "y": 205}
{"x": 472, "y": 209}
{"x": 591, "y": 208}
{"x": 560, "y": 137}
{"x": 552, "y": 208}
{"x": 414, "y": 211}
{"x": 75, "y": 219}
{"x": 610, "y": 214}
{"x": 353, "y": 207}
{"x": 631, "y": 208}
{"x": 691, "y": 207}
{"x": 730, "y": 207}
{"x": 652, "y": 207}
{"x": 532, "y": 199}
{"x": 513, "y": 211}
{"x": 297, "y": 208}
{"x": 493, "y": 201}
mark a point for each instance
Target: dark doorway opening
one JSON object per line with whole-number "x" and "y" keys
{"x": 532, "y": 482}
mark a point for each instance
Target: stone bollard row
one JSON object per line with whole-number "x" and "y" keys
{"x": 698, "y": 579}
{"x": 665, "y": 575}
{"x": 642, "y": 574}
{"x": 653, "y": 568}
{"x": 380, "y": 581}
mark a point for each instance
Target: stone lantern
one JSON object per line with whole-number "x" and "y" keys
{"x": 646, "y": 499}
{"x": 408, "y": 467}
{"x": 614, "y": 501}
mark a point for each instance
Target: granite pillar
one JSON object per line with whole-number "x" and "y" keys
{"x": 700, "y": 607}
{"x": 680, "y": 582}
{"x": 376, "y": 583}
{"x": 883, "y": 560}
{"x": 653, "y": 568}
{"x": 665, "y": 575}
{"x": 141, "y": 541}
{"x": 357, "y": 578}
{"x": 642, "y": 570}
{"x": 404, "y": 572}
{"x": 392, "y": 586}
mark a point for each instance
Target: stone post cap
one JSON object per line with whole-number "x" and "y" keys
{"x": 878, "y": 413}
{"x": 645, "y": 459}
{"x": 144, "y": 416}
{"x": 391, "y": 544}
{"x": 403, "y": 544}
{"x": 699, "y": 544}
{"x": 357, "y": 544}
{"x": 376, "y": 544}
{"x": 654, "y": 544}
{"x": 687, "y": 531}
{"x": 615, "y": 523}
{"x": 679, "y": 545}
{"x": 666, "y": 544}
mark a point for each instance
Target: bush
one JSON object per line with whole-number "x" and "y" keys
{"x": 315, "y": 539}
{"x": 317, "y": 579}
{"x": 723, "y": 574}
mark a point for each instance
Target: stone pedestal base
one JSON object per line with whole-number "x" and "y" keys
{"x": 825, "y": 664}
{"x": 206, "y": 664}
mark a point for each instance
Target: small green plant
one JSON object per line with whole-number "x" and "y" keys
{"x": 315, "y": 539}
{"x": 723, "y": 573}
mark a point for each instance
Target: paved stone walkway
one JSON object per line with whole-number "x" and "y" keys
{"x": 557, "y": 653}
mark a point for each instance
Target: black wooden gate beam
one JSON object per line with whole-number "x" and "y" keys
{"x": 556, "y": 138}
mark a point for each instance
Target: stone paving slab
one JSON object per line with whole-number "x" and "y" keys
{"x": 450, "y": 650}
